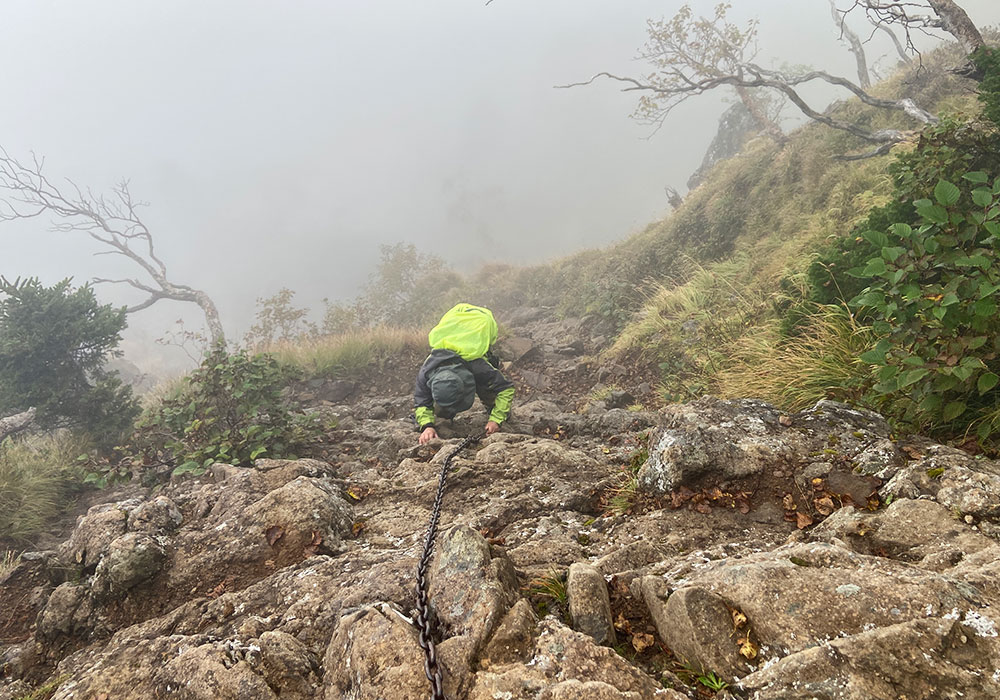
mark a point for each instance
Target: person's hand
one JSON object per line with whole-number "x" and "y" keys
{"x": 492, "y": 427}
{"x": 428, "y": 435}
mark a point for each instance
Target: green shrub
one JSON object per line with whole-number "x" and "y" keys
{"x": 230, "y": 409}
{"x": 987, "y": 60}
{"x": 932, "y": 297}
{"x": 945, "y": 151}
{"x": 54, "y": 342}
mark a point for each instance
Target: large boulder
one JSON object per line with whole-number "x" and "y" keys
{"x": 709, "y": 442}
{"x": 924, "y": 659}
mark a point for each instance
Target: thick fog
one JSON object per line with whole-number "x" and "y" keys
{"x": 278, "y": 143}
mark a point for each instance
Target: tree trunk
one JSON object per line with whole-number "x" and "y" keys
{"x": 16, "y": 423}
{"x": 956, "y": 22}
{"x": 765, "y": 123}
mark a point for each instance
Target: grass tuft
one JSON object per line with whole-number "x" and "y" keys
{"x": 336, "y": 355}
{"x": 821, "y": 362}
{"x": 36, "y": 476}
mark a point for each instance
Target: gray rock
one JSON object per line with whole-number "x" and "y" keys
{"x": 954, "y": 479}
{"x": 470, "y": 588}
{"x": 589, "y": 606}
{"x": 923, "y": 659}
{"x": 373, "y": 654}
{"x": 155, "y": 516}
{"x": 289, "y": 666}
{"x": 514, "y": 637}
{"x": 131, "y": 559}
{"x": 697, "y": 626}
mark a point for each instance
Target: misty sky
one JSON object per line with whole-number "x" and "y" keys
{"x": 278, "y": 143}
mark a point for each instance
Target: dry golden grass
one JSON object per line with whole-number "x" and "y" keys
{"x": 36, "y": 476}
{"x": 822, "y": 361}
{"x": 335, "y": 355}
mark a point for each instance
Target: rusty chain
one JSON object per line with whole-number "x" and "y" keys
{"x": 423, "y": 619}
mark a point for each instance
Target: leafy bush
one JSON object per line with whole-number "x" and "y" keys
{"x": 932, "y": 296}
{"x": 54, "y": 342}
{"x": 230, "y": 409}
{"x": 945, "y": 151}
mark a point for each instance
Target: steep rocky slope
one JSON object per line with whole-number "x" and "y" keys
{"x": 588, "y": 551}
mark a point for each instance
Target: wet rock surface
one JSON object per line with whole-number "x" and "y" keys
{"x": 593, "y": 549}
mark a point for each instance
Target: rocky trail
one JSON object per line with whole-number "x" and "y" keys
{"x": 599, "y": 548}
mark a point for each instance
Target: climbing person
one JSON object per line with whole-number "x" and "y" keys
{"x": 459, "y": 368}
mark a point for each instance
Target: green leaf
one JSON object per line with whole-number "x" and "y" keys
{"x": 911, "y": 376}
{"x": 876, "y": 356}
{"x": 953, "y": 410}
{"x": 902, "y": 230}
{"x": 890, "y": 253}
{"x": 982, "y": 197}
{"x": 875, "y": 266}
{"x": 986, "y": 382}
{"x": 934, "y": 213}
{"x": 876, "y": 238}
{"x": 978, "y": 177}
{"x": 946, "y": 193}
{"x": 985, "y": 307}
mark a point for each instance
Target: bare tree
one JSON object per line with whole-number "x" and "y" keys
{"x": 111, "y": 220}
{"x": 923, "y": 16}
{"x": 854, "y": 45}
{"x": 697, "y": 55}
{"x": 16, "y": 423}
{"x": 686, "y": 48}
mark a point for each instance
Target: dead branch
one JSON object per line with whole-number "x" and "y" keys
{"x": 16, "y": 423}
{"x": 854, "y": 45}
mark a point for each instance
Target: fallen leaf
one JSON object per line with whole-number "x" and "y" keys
{"x": 642, "y": 641}
{"x": 622, "y": 624}
{"x": 747, "y": 648}
{"x": 785, "y": 420}
{"x": 354, "y": 493}
{"x": 912, "y": 452}
{"x": 743, "y": 505}
{"x": 803, "y": 520}
{"x": 273, "y": 534}
{"x": 824, "y": 506}
{"x": 817, "y": 484}
{"x": 358, "y": 527}
{"x": 788, "y": 502}
{"x": 703, "y": 508}
{"x": 715, "y": 493}
{"x": 739, "y": 619}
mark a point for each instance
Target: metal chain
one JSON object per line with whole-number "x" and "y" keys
{"x": 423, "y": 618}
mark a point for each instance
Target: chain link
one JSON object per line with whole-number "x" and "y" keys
{"x": 423, "y": 618}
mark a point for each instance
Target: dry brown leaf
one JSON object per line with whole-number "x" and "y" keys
{"x": 743, "y": 505}
{"x": 788, "y": 502}
{"x": 622, "y": 624}
{"x": 642, "y": 641}
{"x": 803, "y": 520}
{"x": 274, "y": 533}
{"x": 785, "y": 420}
{"x": 825, "y": 505}
{"x": 747, "y": 648}
{"x": 739, "y": 619}
{"x": 703, "y": 508}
